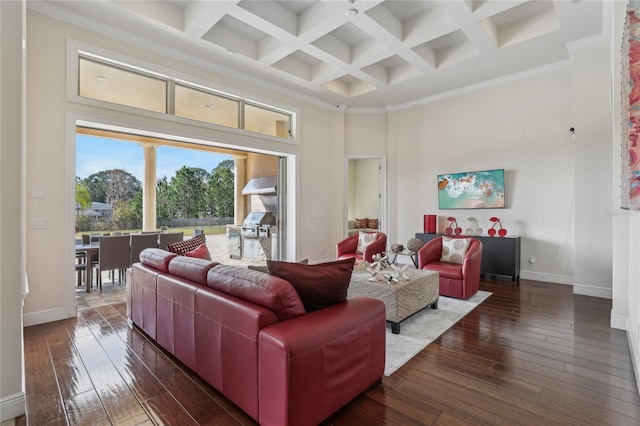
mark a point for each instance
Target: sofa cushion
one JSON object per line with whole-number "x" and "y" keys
{"x": 452, "y": 271}
{"x": 262, "y": 289}
{"x": 182, "y": 247}
{"x": 156, "y": 258}
{"x": 202, "y": 252}
{"x": 265, "y": 268}
{"x": 364, "y": 239}
{"x": 191, "y": 268}
{"x": 454, "y": 249}
{"x": 373, "y": 223}
{"x": 319, "y": 285}
{"x": 361, "y": 223}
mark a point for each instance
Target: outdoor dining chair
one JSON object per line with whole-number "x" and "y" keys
{"x": 113, "y": 255}
{"x": 171, "y": 237}
{"x": 140, "y": 242}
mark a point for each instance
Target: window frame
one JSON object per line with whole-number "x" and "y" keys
{"x": 76, "y": 49}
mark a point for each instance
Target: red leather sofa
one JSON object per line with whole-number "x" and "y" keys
{"x": 456, "y": 280}
{"x": 247, "y": 334}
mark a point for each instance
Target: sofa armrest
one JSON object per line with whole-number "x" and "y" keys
{"x": 471, "y": 266}
{"x": 312, "y": 365}
{"x": 430, "y": 252}
{"x": 348, "y": 245}
{"x": 377, "y": 246}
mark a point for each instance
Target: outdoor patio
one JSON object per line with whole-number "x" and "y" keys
{"x": 114, "y": 292}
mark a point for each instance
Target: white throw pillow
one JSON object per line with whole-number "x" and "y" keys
{"x": 454, "y": 249}
{"x": 364, "y": 239}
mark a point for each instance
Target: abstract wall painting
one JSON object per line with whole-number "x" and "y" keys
{"x": 630, "y": 170}
{"x": 472, "y": 190}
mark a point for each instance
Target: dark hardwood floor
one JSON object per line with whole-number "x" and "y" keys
{"x": 532, "y": 354}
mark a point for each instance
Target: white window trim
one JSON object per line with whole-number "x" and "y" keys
{"x": 76, "y": 48}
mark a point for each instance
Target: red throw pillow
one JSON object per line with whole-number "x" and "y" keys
{"x": 361, "y": 223}
{"x": 201, "y": 252}
{"x": 182, "y": 247}
{"x": 319, "y": 285}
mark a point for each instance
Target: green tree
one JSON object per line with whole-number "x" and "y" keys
{"x": 165, "y": 206}
{"x": 221, "y": 195}
{"x": 83, "y": 197}
{"x": 189, "y": 191}
{"x": 112, "y": 186}
{"x": 128, "y": 214}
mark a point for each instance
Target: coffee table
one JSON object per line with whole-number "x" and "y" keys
{"x": 401, "y": 299}
{"x": 393, "y": 256}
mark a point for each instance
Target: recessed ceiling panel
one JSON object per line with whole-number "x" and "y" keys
{"x": 366, "y": 53}
{"x": 452, "y": 48}
{"x": 236, "y": 37}
{"x": 349, "y": 86}
{"x": 525, "y": 22}
{"x": 274, "y": 13}
{"x": 299, "y": 64}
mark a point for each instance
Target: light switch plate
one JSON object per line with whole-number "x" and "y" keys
{"x": 40, "y": 223}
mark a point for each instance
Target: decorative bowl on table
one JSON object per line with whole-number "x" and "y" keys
{"x": 397, "y": 248}
{"x": 414, "y": 244}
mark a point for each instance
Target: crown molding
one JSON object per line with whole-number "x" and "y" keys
{"x": 484, "y": 85}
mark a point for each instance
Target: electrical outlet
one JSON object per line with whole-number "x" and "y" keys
{"x": 40, "y": 223}
{"x": 532, "y": 259}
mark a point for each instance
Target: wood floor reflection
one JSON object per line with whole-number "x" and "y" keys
{"x": 532, "y": 354}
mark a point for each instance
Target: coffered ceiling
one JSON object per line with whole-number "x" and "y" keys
{"x": 357, "y": 53}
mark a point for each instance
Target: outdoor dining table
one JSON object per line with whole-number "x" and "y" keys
{"x": 91, "y": 251}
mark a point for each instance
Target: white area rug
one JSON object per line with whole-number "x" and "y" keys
{"x": 423, "y": 327}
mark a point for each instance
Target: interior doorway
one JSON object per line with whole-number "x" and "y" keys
{"x": 365, "y": 194}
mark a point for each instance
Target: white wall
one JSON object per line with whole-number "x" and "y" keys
{"x": 592, "y": 118}
{"x": 51, "y": 158}
{"x": 520, "y": 126}
{"x": 12, "y": 398}
{"x": 523, "y": 127}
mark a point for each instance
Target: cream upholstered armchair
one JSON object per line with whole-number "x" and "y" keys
{"x": 362, "y": 246}
{"x": 458, "y": 264}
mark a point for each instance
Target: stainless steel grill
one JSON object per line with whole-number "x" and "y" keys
{"x": 257, "y": 224}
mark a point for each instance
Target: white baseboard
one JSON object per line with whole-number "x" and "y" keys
{"x": 548, "y": 278}
{"x": 44, "y": 316}
{"x": 635, "y": 356}
{"x": 618, "y": 321}
{"x": 12, "y": 406}
{"x": 585, "y": 290}
{"x": 589, "y": 290}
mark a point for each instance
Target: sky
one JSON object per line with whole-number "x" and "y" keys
{"x": 94, "y": 154}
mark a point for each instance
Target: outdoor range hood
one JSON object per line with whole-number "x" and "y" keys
{"x": 261, "y": 186}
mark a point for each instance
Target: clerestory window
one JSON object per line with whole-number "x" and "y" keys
{"x": 118, "y": 83}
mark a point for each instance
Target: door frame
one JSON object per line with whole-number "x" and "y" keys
{"x": 382, "y": 176}
{"x": 164, "y": 129}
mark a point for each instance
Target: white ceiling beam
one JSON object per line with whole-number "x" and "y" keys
{"x": 201, "y": 16}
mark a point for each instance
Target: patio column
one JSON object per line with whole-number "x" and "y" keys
{"x": 149, "y": 188}
{"x": 239, "y": 181}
